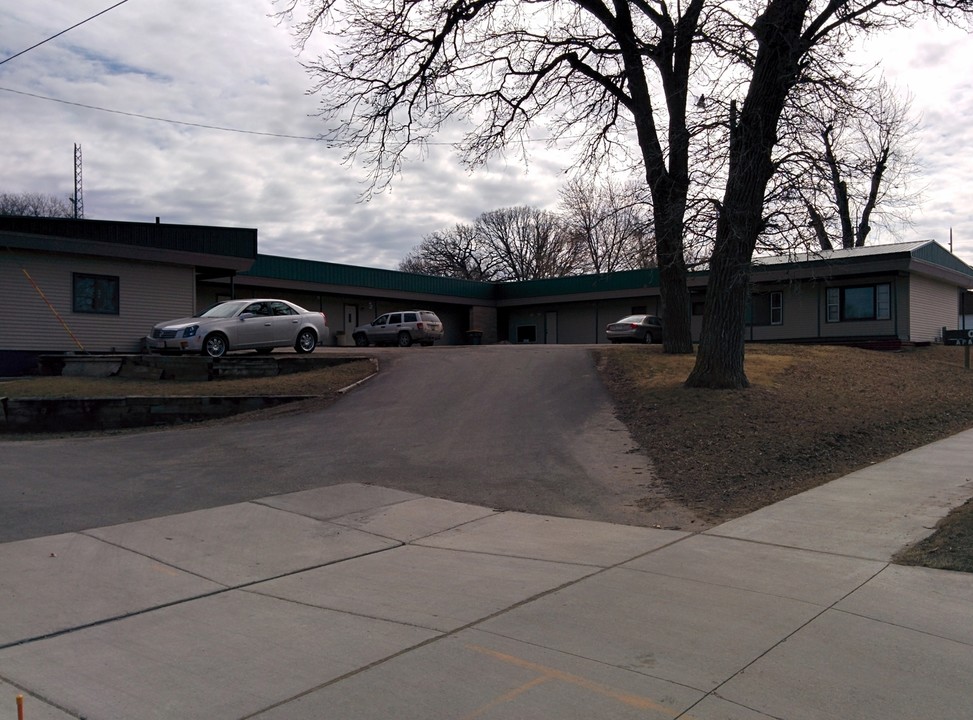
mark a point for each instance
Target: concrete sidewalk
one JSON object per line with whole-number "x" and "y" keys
{"x": 355, "y": 601}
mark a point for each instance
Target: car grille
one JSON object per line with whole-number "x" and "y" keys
{"x": 163, "y": 334}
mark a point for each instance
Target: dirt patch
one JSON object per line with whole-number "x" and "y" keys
{"x": 949, "y": 548}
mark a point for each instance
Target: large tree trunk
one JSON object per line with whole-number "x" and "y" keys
{"x": 719, "y": 361}
{"x": 674, "y": 291}
{"x": 669, "y": 184}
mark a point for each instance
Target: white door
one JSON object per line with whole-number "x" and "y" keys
{"x": 350, "y": 320}
{"x": 550, "y": 329}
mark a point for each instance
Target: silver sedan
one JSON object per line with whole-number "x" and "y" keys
{"x": 255, "y": 324}
{"x": 635, "y": 328}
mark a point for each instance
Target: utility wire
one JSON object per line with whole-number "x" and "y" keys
{"x": 159, "y": 119}
{"x": 204, "y": 126}
{"x": 139, "y": 115}
{"x": 63, "y": 31}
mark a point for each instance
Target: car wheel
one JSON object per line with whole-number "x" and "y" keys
{"x": 361, "y": 340}
{"x": 405, "y": 339}
{"x": 306, "y": 341}
{"x": 648, "y": 338}
{"x": 215, "y": 345}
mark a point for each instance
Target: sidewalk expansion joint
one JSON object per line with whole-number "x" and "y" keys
{"x": 715, "y": 691}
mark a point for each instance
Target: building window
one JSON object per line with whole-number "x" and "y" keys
{"x": 526, "y": 333}
{"x": 864, "y": 302}
{"x": 776, "y": 308}
{"x": 766, "y": 309}
{"x": 95, "y": 294}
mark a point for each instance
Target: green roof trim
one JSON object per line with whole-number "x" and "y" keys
{"x": 580, "y": 284}
{"x": 326, "y": 273}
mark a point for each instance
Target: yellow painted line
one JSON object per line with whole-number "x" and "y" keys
{"x": 507, "y": 697}
{"x": 546, "y": 674}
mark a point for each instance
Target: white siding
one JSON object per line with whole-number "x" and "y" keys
{"x": 148, "y": 293}
{"x": 934, "y": 305}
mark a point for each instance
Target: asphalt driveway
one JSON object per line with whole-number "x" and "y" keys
{"x": 510, "y": 427}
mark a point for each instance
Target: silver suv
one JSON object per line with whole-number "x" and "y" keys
{"x": 400, "y": 328}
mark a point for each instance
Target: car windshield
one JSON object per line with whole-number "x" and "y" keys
{"x": 221, "y": 310}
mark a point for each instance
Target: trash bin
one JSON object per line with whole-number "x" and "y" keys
{"x": 474, "y": 337}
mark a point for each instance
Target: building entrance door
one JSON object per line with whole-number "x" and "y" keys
{"x": 350, "y": 323}
{"x": 550, "y": 328}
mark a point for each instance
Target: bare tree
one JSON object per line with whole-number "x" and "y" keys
{"x": 34, "y": 205}
{"x": 518, "y": 243}
{"x": 606, "y": 73}
{"x": 527, "y": 244}
{"x": 609, "y": 224}
{"x": 455, "y": 253}
{"x": 617, "y": 75}
{"x": 866, "y": 162}
{"x": 846, "y": 164}
{"x": 789, "y": 42}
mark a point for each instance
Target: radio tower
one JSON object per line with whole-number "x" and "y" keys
{"x": 78, "y": 199}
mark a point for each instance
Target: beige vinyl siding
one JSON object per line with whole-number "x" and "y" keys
{"x": 799, "y": 310}
{"x": 148, "y": 293}
{"x": 934, "y": 305}
{"x": 864, "y": 328}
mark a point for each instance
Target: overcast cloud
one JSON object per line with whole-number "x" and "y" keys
{"x": 228, "y": 64}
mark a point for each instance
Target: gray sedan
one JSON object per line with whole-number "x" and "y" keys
{"x": 635, "y": 328}
{"x": 255, "y": 324}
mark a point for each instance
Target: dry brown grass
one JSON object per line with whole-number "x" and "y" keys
{"x": 813, "y": 413}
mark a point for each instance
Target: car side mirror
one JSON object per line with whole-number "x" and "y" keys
{"x": 246, "y": 316}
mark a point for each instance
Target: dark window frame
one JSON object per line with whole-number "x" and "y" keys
{"x": 765, "y": 309}
{"x": 837, "y": 303}
{"x": 95, "y": 294}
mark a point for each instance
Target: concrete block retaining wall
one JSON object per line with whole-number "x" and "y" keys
{"x": 19, "y": 415}
{"x": 28, "y": 415}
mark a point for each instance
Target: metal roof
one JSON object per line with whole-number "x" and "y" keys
{"x": 924, "y": 251}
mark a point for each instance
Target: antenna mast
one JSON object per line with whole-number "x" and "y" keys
{"x": 78, "y": 199}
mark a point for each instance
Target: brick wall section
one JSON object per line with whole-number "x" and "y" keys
{"x": 485, "y": 320}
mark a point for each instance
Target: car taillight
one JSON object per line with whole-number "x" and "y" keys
{"x": 633, "y": 325}
{"x": 325, "y": 318}
{"x": 418, "y": 326}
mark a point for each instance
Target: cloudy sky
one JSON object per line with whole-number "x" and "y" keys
{"x": 228, "y": 65}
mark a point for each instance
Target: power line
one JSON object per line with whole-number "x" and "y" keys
{"x": 204, "y": 126}
{"x": 63, "y": 31}
{"x": 160, "y": 119}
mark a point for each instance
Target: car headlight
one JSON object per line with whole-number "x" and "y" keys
{"x": 190, "y": 331}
